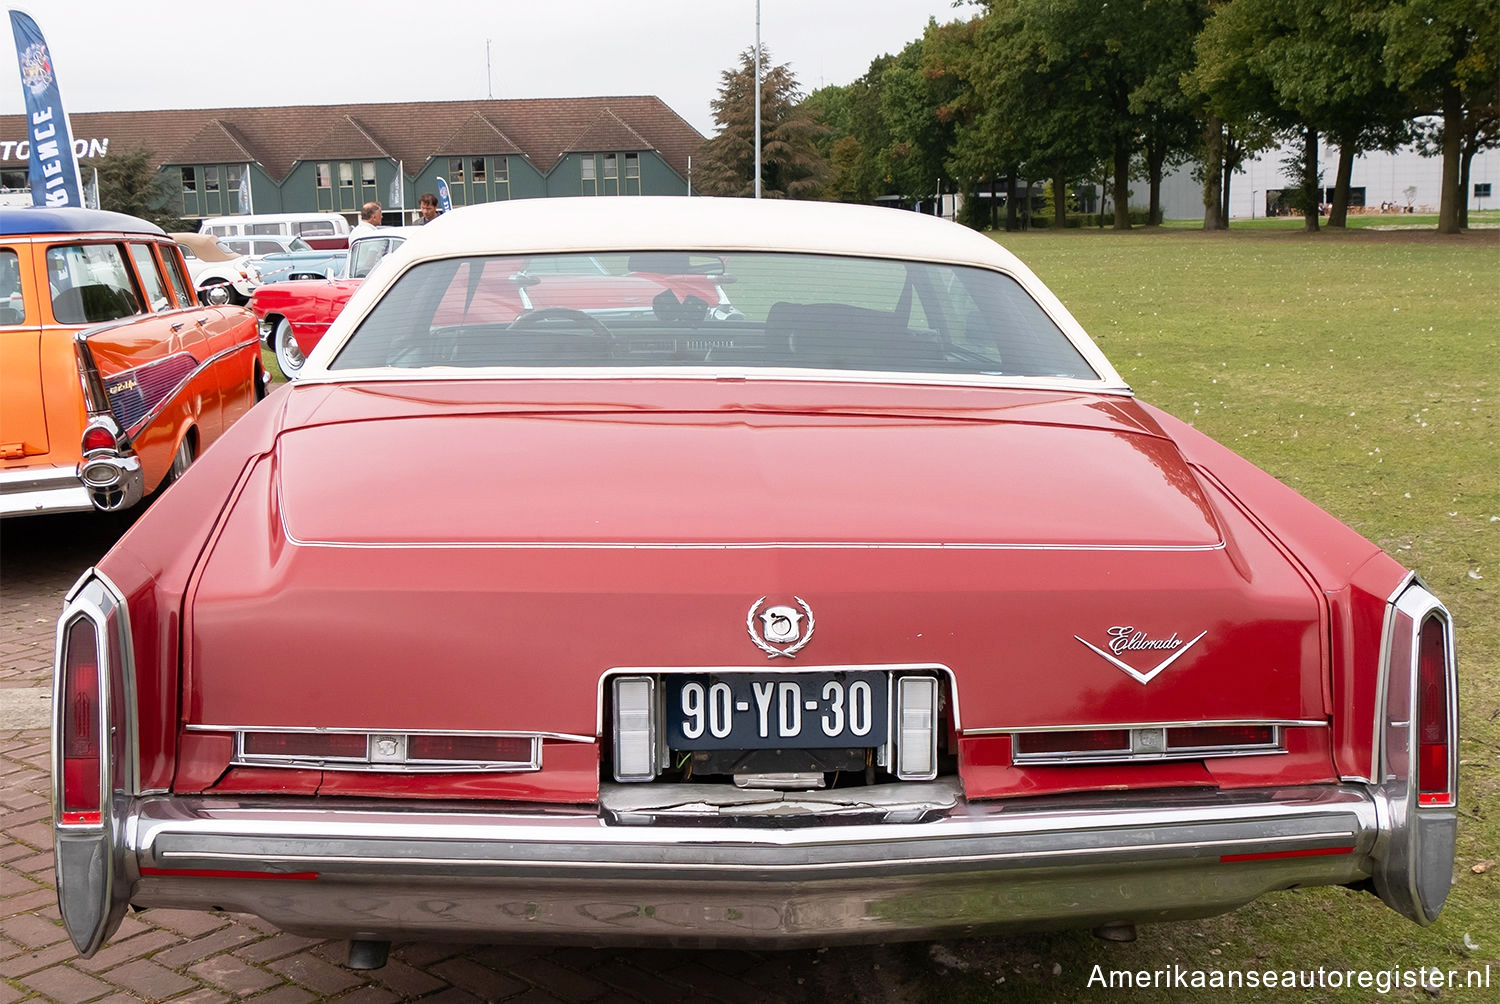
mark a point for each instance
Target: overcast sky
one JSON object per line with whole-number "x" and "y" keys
{"x": 131, "y": 55}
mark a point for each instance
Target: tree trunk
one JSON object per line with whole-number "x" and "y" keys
{"x": 1010, "y": 201}
{"x": 1453, "y": 125}
{"x": 1466, "y": 163}
{"x": 1154, "y": 159}
{"x": 1311, "y": 195}
{"x": 1213, "y": 174}
{"x": 1338, "y": 213}
{"x": 1059, "y": 201}
{"x": 1122, "y": 183}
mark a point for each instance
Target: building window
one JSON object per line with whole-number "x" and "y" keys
{"x": 588, "y": 169}
{"x": 325, "y": 175}
{"x": 368, "y": 176}
{"x": 346, "y": 174}
{"x": 455, "y": 171}
{"x": 632, "y": 165}
{"x": 189, "y": 179}
{"x": 611, "y": 169}
{"x": 211, "y": 179}
{"x": 1481, "y": 190}
{"x": 477, "y": 173}
{"x": 502, "y": 170}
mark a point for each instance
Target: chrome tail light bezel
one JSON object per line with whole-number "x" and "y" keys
{"x": 1414, "y": 858}
{"x": 92, "y": 891}
{"x": 385, "y": 751}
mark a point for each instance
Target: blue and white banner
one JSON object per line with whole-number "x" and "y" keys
{"x": 54, "y": 166}
{"x": 245, "y": 205}
{"x": 445, "y": 203}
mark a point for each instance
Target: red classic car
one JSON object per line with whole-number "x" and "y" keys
{"x": 881, "y": 609}
{"x": 294, "y": 316}
{"x": 113, "y": 376}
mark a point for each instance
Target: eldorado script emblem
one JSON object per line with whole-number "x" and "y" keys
{"x": 782, "y": 626}
{"x": 1125, "y": 638}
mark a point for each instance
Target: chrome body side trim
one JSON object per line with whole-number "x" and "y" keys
{"x": 561, "y": 875}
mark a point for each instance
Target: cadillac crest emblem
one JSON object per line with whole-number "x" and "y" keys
{"x": 780, "y": 630}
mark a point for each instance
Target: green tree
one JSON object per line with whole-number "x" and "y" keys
{"x": 1445, "y": 55}
{"x": 129, "y": 183}
{"x": 790, "y": 165}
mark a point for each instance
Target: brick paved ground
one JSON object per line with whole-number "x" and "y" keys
{"x": 200, "y": 957}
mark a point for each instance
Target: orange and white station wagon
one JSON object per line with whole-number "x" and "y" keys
{"x": 113, "y": 376}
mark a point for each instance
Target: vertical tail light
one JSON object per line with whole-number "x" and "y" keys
{"x": 1434, "y": 715}
{"x": 916, "y": 728}
{"x": 82, "y": 722}
{"x": 634, "y": 728}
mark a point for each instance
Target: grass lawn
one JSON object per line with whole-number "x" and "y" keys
{"x": 1363, "y": 369}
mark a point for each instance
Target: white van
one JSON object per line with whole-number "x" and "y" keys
{"x": 321, "y": 230}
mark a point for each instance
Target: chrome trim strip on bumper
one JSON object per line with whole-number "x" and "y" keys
{"x": 27, "y": 491}
{"x": 563, "y": 875}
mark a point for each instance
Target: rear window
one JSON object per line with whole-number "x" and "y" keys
{"x": 721, "y": 310}
{"x": 90, "y": 283}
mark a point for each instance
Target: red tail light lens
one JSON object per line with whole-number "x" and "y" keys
{"x": 96, "y": 437}
{"x": 1082, "y": 741}
{"x": 1221, "y": 737}
{"x": 81, "y": 742}
{"x": 475, "y": 749}
{"x": 318, "y": 745}
{"x": 1433, "y": 776}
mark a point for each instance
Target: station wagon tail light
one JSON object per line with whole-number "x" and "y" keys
{"x": 1434, "y": 714}
{"x": 82, "y": 721}
{"x": 98, "y": 437}
{"x": 916, "y": 728}
{"x": 388, "y": 751}
{"x": 635, "y": 753}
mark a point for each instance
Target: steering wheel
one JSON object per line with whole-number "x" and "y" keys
{"x": 544, "y": 316}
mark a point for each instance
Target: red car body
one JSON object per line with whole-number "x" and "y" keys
{"x": 1127, "y": 676}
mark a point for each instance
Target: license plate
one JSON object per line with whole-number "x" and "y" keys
{"x": 747, "y": 711}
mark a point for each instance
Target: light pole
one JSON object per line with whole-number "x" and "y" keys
{"x": 757, "y": 99}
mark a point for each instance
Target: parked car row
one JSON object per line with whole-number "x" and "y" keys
{"x": 115, "y": 375}
{"x": 566, "y": 598}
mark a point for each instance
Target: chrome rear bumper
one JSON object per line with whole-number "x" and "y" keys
{"x": 563, "y": 875}
{"x": 31, "y": 491}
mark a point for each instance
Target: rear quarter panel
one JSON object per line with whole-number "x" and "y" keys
{"x": 1356, "y": 578}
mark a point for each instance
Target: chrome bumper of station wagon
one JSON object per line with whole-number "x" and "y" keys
{"x": 30, "y": 491}
{"x": 563, "y": 875}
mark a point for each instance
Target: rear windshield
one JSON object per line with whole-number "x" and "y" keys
{"x": 734, "y": 309}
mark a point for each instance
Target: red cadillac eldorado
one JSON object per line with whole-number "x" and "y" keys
{"x": 878, "y": 608}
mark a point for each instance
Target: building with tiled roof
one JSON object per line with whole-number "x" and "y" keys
{"x": 338, "y": 157}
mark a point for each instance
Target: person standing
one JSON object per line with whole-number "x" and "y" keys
{"x": 370, "y": 215}
{"x": 427, "y": 205}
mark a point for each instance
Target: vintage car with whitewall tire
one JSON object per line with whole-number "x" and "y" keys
{"x": 220, "y": 273}
{"x": 113, "y": 376}
{"x": 877, "y": 608}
